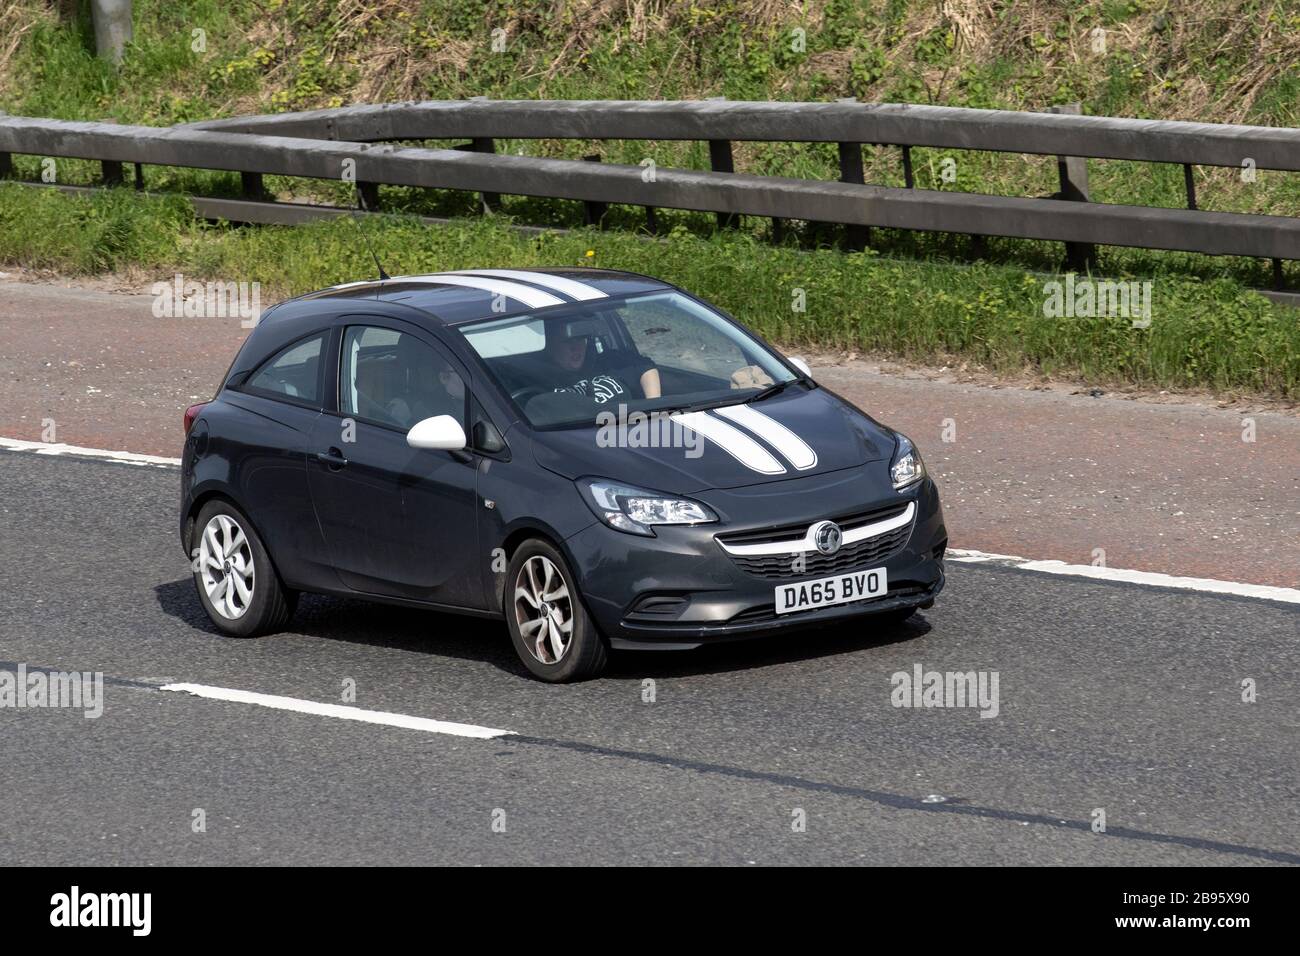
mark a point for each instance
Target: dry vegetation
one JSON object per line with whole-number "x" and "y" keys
{"x": 1213, "y": 61}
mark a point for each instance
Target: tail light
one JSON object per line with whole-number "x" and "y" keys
{"x": 192, "y": 413}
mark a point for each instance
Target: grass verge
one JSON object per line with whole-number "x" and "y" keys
{"x": 1203, "y": 334}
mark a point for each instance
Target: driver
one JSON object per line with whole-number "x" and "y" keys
{"x": 601, "y": 376}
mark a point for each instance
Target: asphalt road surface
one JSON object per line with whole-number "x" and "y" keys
{"x": 1112, "y": 697}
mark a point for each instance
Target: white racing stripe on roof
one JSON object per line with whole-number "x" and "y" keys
{"x": 349, "y": 285}
{"x": 733, "y": 441}
{"x": 774, "y": 433}
{"x": 533, "y": 298}
{"x": 569, "y": 287}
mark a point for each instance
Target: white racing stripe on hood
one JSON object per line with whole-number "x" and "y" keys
{"x": 734, "y": 442}
{"x": 569, "y": 287}
{"x": 533, "y": 298}
{"x": 774, "y": 433}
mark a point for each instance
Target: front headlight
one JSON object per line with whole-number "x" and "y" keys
{"x": 636, "y": 510}
{"x": 907, "y": 468}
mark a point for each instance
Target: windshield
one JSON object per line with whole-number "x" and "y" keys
{"x": 648, "y": 353}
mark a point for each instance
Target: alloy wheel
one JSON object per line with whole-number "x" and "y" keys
{"x": 543, "y": 610}
{"x": 226, "y": 567}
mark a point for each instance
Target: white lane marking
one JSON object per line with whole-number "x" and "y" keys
{"x": 569, "y": 287}
{"x": 733, "y": 441}
{"x": 1147, "y": 578}
{"x": 980, "y": 557}
{"x": 533, "y": 298}
{"x": 774, "y": 433}
{"x": 53, "y": 448}
{"x": 337, "y": 710}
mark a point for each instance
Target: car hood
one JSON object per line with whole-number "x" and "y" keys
{"x": 791, "y": 435}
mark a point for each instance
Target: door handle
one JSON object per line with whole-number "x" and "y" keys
{"x": 333, "y": 458}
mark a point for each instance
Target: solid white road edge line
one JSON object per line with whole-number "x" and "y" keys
{"x": 58, "y": 448}
{"x": 1149, "y": 578}
{"x": 337, "y": 710}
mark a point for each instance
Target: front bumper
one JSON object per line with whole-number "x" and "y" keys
{"x": 680, "y": 590}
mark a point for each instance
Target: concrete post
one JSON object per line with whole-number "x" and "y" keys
{"x": 112, "y": 28}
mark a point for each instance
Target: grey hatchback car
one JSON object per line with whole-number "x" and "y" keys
{"x": 601, "y": 459}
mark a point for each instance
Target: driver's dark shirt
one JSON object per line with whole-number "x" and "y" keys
{"x": 605, "y": 377}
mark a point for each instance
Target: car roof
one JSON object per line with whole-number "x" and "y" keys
{"x": 471, "y": 294}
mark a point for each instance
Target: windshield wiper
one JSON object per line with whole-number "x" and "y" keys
{"x": 761, "y": 394}
{"x": 697, "y": 406}
{"x": 773, "y": 389}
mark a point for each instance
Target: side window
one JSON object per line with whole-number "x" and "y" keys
{"x": 393, "y": 378}
{"x": 293, "y": 372}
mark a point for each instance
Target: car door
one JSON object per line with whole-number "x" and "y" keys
{"x": 399, "y": 521}
{"x": 274, "y": 411}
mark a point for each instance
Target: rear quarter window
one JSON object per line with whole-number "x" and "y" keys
{"x": 292, "y": 373}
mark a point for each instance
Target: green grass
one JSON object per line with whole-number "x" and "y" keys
{"x": 1233, "y": 60}
{"x": 1203, "y": 334}
{"x": 1227, "y": 61}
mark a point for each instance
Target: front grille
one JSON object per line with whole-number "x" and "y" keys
{"x": 814, "y": 563}
{"x": 795, "y": 531}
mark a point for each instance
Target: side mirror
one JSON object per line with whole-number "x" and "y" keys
{"x": 801, "y": 365}
{"x": 440, "y": 432}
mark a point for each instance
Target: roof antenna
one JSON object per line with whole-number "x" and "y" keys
{"x": 361, "y": 202}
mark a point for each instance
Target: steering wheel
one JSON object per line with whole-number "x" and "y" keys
{"x": 522, "y": 395}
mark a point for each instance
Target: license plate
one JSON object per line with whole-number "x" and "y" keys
{"x": 824, "y": 592}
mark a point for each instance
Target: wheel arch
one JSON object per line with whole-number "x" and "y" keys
{"x": 217, "y": 493}
{"x": 516, "y": 536}
{"x": 220, "y": 493}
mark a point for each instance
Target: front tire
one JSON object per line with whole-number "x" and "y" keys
{"x": 552, "y": 632}
{"x": 237, "y": 583}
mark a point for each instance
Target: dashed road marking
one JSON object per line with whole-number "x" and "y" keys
{"x": 338, "y": 711}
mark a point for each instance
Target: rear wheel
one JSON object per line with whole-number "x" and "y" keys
{"x": 237, "y": 583}
{"x": 551, "y": 630}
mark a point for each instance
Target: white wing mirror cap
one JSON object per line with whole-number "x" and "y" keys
{"x": 440, "y": 432}
{"x": 799, "y": 363}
